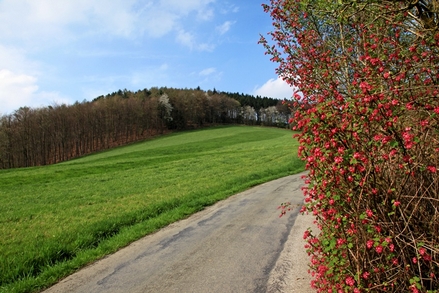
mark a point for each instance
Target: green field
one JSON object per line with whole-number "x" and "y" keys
{"x": 56, "y": 219}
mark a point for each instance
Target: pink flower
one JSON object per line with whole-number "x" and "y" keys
{"x": 341, "y": 241}
{"x": 338, "y": 160}
{"x": 396, "y": 203}
{"x": 414, "y": 260}
{"x": 426, "y": 257}
{"x": 366, "y": 275}
{"x": 350, "y": 281}
{"x": 392, "y": 247}
{"x": 369, "y": 244}
{"x": 365, "y": 86}
{"x": 424, "y": 123}
{"x": 379, "y": 249}
{"x": 432, "y": 169}
{"x": 306, "y": 234}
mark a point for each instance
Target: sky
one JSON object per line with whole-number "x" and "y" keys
{"x": 63, "y": 51}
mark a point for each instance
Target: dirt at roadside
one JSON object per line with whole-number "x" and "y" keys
{"x": 290, "y": 273}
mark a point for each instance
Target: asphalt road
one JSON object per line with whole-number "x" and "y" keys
{"x": 231, "y": 246}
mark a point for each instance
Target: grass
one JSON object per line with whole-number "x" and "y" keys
{"x": 56, "y": 219}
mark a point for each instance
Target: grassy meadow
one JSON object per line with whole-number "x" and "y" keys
{"x": 56, "y": 219}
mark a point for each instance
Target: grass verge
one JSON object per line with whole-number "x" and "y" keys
{"x": 56, "y": 219}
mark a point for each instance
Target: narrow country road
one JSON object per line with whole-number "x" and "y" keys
{"x": 231, "y": 246}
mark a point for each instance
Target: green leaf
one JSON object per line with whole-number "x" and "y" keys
{"x": 394, "y": 143}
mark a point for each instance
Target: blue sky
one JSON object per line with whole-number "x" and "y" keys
{"x": 62, "y": 51}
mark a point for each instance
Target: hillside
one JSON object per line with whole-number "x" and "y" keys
{"x": 58, "y": 218}
{"x": 43, "y": 136}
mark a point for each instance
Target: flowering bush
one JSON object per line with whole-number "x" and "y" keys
{"x": 368, "y": 121}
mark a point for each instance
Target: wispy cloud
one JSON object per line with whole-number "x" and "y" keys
{"x": 32, "y": 29}
{"x": 186, "y": 38}
{"x": 206, "y": 14}
{"x": 210, "y": 75}
{"x": 229, "y": 8}
{"x": 190, "y": 41}
{"x": 207, "y": 71}
{"x": 51, "y": 50}
{"x": 225, "y": 27}
{"x": 208, "y": 47}
{"x": 55, "y": 21}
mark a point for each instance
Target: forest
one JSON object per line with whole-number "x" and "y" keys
{"x": 53, "y": 134}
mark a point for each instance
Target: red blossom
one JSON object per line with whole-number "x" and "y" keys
{"x": 432, "y": 169}
{"x": 350, "y": 281}
{"x": 306, "y": 234}
{"x": 427, "y": 257}
{"x": 338, "y": 160}
{"x": 366, "y": 134}
{"x": 379, "y": 249}
{"x": 392, "y": 247}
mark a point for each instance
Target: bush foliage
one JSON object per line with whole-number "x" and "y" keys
{"x": 367, "y": 78}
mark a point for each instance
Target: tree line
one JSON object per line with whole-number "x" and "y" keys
{"x": 48, "y": 135}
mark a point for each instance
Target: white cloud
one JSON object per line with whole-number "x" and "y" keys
{"x": 19, "y": 77}
{"x": 230, "y": 8}
{"x": 19, "y": 90}
{"x": 275, "y": 88}
{"x": 207, "y": 71}
{"x": 31, "y": 29}
{"x": 52, "y": 21}
{"x": 157, "y": 23}
{"x": 44, "y": 23}
{"x": 189, "y": 40}
{"x": 206, "y": 47}
{"x": 185, "y": 6}
{"x": 206, "y": 14}
{"x": 209, "y": 76}
{"x": 13, "y": 58}
{"x": 186, "y": 39}
{"x": 225, "y": 27}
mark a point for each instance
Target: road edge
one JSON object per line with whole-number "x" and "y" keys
{"x": 290, "y": 273}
